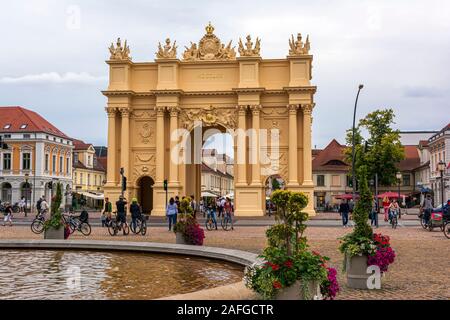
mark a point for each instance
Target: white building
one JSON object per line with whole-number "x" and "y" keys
{"x": 439, "y": 146}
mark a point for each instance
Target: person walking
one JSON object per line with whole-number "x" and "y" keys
{"x": 22, "y": 205}
{"x": 202, "y": 207}
{"x": 171, "y": 213}
{"x": 38, "y": 205}
{"x": 44, "y": 207}
{"x": 374, "y": 213}
{"x": 386, "y": 204}
{"x": 427, "y": 208}
{"x": 229, "y": 211}
{"x": 8, "y": 214}
{"x": 344, "y": 210}
{"x": 194, "y": 206}
{"x": 212, "y": 211}
{"x": 135, "y": 211}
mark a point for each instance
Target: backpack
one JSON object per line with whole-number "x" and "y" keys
{"x": 38, "y": 205}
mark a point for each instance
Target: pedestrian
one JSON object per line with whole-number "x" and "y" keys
{"x": 22, "y": 205}
{"x": 194, "y": 206}
{"x": 374, "y": 213}
{"x": 171, "y": 213}
{"x": 229, "y": 211}
{"x": 344, "y": 210}
{"x": 107, "y": 213}
{"x": 8, "y": 214}
{"x": 44, "y": 207}
{"x": 386, "y": 204}
{"x": 202, "y": 207}
{"x": 222, "y": 206}
{"x": 427, "y": 208}
{"x": 38, "y": 205}
{"x": 135, "y": 211}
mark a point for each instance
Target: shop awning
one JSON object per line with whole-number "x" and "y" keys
{"x": 207, "y": 194}
{"x": 95, "y": 196}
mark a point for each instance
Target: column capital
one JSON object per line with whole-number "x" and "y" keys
{"x": 307, "y": 108}
{"x": 173, "y": 111}
{"x": 292, "y": 108}
{"x": 256, "y": 109}
{"x": 159, "y": 110}
{"x": 125, "y": 112}
{"x": 242, "y": 109}
{"x": 111, "y": 111}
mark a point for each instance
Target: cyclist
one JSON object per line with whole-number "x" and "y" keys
{"x": 229, "y": 211}
{"x": 107, "y": 213}
{"x": 121, "y": 212}
{"x": 44, "y": 207}
{"x": 211, "y": 209}
{"x": 427, "y": 208}
{"x": 135, "y": 210}
{"x": 393, "y": 209}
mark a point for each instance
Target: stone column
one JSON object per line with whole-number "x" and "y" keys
{"x": 125, "y": 141}
{"x": 307, "y": 155}
{"x": 241, "y": 146}
{"x": 256, "y": 166}
{"x": 159, "y": 179}
{"x": 112, "y": 147}
{"x": 173, "y": 167}
{"x": 293, "y": 146}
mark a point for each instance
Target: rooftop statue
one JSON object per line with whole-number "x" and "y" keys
{"x": 209, "y": 48}
{"x": 248, "y": 50}
{"x": 120, "y": 52}
{"x": 168, "y": 51}
{"x": 297, "y": 47}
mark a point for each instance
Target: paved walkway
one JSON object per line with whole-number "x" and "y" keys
{"x": 420, "y": 271}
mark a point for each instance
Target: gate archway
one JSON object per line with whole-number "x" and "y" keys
{"x": 145, "y": 194}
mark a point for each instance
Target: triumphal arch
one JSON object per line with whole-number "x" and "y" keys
{"x": 212, "y": 84}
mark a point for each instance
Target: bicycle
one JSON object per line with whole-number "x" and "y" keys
{"x": 37, "y": 225}
{"x": 114, "y": 226}
{"x": 394, "y": 219}
{"x": 226, "y": 222}
{"x": 141, "y": 225}
{"x": 75, "y": 224}
{"x": 446, "y": 229}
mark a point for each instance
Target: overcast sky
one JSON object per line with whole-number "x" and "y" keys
{"x": 53, "y": 53}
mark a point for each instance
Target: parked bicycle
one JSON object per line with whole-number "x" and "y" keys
{"x": 37, "y": 225}
{"x": 226, "y": 222}
{"x": 78, "y": 224}
{"x": 210, "y": 223}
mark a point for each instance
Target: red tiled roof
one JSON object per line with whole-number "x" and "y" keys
{"x": 103, "y": 161}
{"x": 80, "y": 145}
{"x": 331, "y": 158}
{"x": 15, "y": 117}
{"x": 412, "y": 159}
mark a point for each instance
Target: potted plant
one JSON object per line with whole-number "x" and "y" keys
{"x": 362, "y": 248}
{"x": 54, "y": 227}
{"x": 187, "y": 229}
{"x": 289, "y": 270}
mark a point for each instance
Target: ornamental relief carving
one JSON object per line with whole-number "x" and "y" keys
{"x": 209, "y": 116}
{"x": 146, "y": 132}
{"x": 143, "y": 114}
{"x": 278, "y": 165}
{"x": 144, "y": 165}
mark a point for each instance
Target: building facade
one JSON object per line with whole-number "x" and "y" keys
{"x": 210, "y": 87}
{"x": 89, "y": 175}
{"x": 439, "y": 146}
{"x": 37, "y": 158}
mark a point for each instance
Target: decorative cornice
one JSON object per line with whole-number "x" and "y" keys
{"x": 311, "y": 89}
{"x": 249, "y": 90}
{"x": 118, "y": 93}
{"x": 168, "y": 92}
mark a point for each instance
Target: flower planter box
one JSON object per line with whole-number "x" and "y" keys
{"x": 54, "y": 234}
{"x": 180, "y": 238}
{"x": 295, "y": 292}
{"x": 357, "y": 275}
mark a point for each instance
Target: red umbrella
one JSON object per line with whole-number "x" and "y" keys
{"x": 391, "y": 195}
{"x": 345, "y": 196}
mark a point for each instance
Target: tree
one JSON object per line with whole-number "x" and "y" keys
{"x": 275, "y": 184}
{"x": 381, "y": 151}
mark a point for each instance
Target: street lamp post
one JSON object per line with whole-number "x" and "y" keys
{"x": 353, "y": 143}
{"x": 441, "y": 169}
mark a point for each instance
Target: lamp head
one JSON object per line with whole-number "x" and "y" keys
{"x": 361, "y": 86}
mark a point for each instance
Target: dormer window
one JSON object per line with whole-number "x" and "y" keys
{"x": 24, "y": 126}
{"x": 7, "y": 126}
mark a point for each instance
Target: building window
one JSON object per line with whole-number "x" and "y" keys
{"x": 7, "y": 161}
{"x": 81, "y": 178}
{"x": 75, "y": 175}
{"x": 54, "y": 163}
{"x": 75, "y": 157}
{"x": 321, "y": 180}
{"x": 67, "y": 165}
{"x": 26, "y": 161}
{"x": 24, "y": 126}
{"x": 61, "y": 169}
{"x": 335, "y": 181}
{"x": 7, "y": 136}
{"x": 46, "y": 162}
{"x": 406, "y": 180}
{"x": 7, "y": 126}
{"x": 89, "y": 179}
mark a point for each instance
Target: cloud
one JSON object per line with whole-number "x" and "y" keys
{"x": 422, "y": 92}
{"x": 55, "y": 78}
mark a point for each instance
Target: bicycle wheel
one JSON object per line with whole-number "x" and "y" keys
{"x": 144, "y": 228}
{"x": 394, "y": 222}
{"x": 447, "y": 230}
{"x": 112, "y": 228}
{"x": 226, "y": 224}
{"x": 85, "y": 229}
{"x": 72, "y": 226}
{"x": 37, "y": 226}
